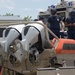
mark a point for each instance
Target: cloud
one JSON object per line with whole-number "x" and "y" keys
{"x": 9, "y": 7}
{"x": 69, "y": 0}
{"x": 6, "y": 4}
{"x": 39, "y": 9}
{"x": 7, "y": 1}
{"x": 31, "y": 10}
{"x": 36, "y": 0}
{"x": 27, "y": 9}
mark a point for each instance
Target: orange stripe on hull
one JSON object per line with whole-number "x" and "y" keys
{"x": 59, "y": 48}
{"x": 68, "y": 52}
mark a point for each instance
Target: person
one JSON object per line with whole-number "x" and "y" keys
{"x": 70, "y": 24}
{"x": 55, "y": 20}
{"x": 41, "y": 18}
{"x": 35, "y": 19}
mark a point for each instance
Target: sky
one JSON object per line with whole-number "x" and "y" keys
{"x": 26, "y": 7}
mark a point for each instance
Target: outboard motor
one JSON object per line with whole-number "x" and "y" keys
{"x": 20, "y": 40}
{"x": 10, "y": 34}
{"x": 33, "y": 39}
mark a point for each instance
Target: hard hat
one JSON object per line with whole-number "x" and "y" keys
{"x": 53, "y": 11}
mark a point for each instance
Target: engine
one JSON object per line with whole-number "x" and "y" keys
{"x": 10, "y": 34}
{"x": 33, "y": 40}
{"x": 20, "y": 39}
{"x": 23, "y": 47}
